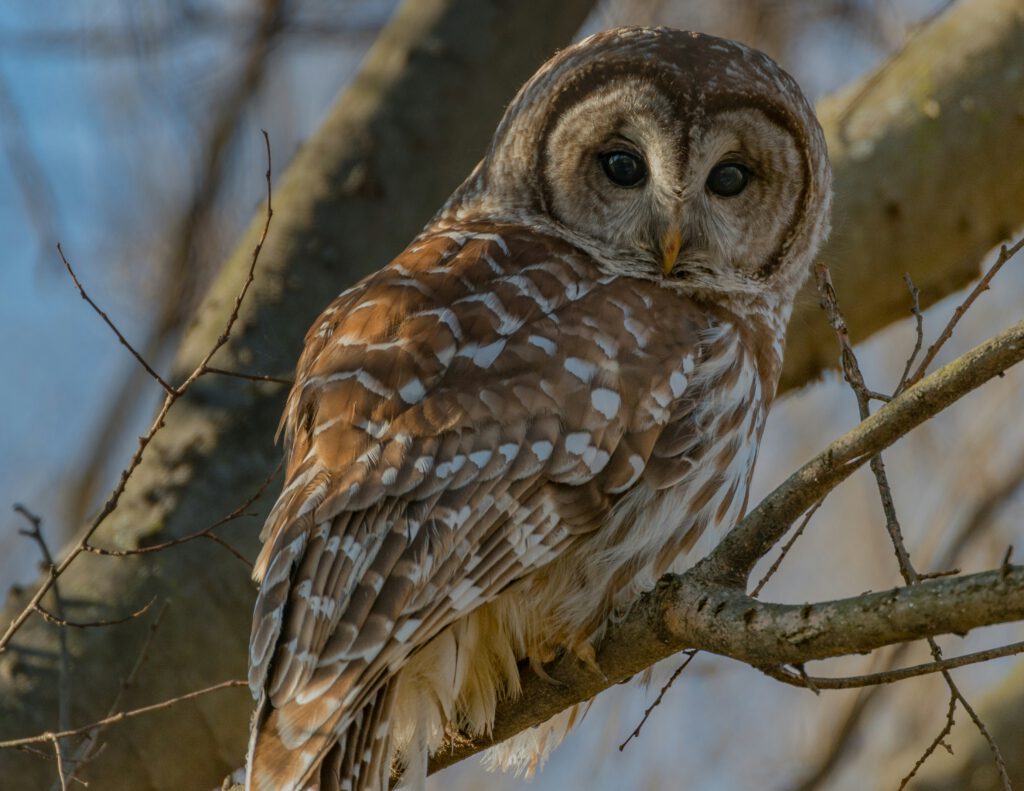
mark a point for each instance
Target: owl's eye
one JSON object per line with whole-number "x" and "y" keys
{"x": 623, "y": 168}
{"x": 728, "y": 179}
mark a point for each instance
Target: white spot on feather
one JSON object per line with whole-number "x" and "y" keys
{"x": 577, "y": 442}
{"x": 545, "y": 345}
{"x": 412, "y": 391}
{"x": 542, "y": 450}
{"x": 486, "y": 355}
{"x": 606, "y": 401}
{"x": 581, "y": 369}
{"x": 480, "y": 457}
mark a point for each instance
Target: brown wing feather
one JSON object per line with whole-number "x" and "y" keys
{"x": 442, "y": 443}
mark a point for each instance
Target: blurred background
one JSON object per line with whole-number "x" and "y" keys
{"x": 129, "y": 132}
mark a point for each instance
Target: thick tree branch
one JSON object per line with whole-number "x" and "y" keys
{"x": 686, "y": 611}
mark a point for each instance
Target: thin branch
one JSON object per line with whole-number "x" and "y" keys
{"x": 158, "y": 422}
{"x": 1005, "y": 254}
{"x": 786, "y": 548}
{"x": 206, "y": 532}
{"x": 891, "y": 676}
{"x": 661, "y": 696}
{"x": 59, "y": 621}
{"x": 122, "y": 716}
{"x": 107, "y": 320}
{"x": 938, "y": 740}
{"x": 251, "y": 377}
{"x": 62, "y": 777}
{"x": 853, "y": 375}
{"x": 915, "y": 307}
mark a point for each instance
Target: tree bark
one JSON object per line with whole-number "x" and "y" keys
{"x": 925, "y": 152}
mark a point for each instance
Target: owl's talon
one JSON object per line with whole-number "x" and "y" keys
{"x": 538, "y": 670}
{"x": 588, "y": 656}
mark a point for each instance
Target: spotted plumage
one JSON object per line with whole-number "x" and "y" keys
{"x": 544, "y": 403}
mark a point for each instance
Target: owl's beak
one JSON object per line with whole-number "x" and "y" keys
{"x": 671, "y": 241}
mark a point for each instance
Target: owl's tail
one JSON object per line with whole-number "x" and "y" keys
{"x": 357, "y": 759}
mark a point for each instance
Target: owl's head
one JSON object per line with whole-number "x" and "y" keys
{"x": 666, "y": 155}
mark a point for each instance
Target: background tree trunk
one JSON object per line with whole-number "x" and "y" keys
{"x": 927, "y": 154}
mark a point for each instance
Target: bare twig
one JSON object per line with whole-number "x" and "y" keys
{"x": 785, "y": 549}
{"x": 661, "y": 695}
{"x": 106, "y": 319}
{"x": 91, "y": 745}
{"x": 1005, "y": 254}
{"x": 892, "y": 676}
{"x": 170, "y": 399}
{"x": 122, "y": 716}
{"x": 35, "y": 532}
{"x": 251, "y": 377}
{"x": 206, "y": 532}
{"x": 915, "y": 307}
{"x": 938, "y": 740}
{"x": 60, "y": 763}
{"x": 59, "y": 621}
{"x": 853, "y": 375}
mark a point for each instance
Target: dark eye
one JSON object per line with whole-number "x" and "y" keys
{"x": 728, "y": 179}
{"x": 623, "y": 168}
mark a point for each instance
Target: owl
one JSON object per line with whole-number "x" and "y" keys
{"x": 552, "y": 397}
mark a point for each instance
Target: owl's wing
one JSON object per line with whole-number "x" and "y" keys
{"x": 457, "y": 419}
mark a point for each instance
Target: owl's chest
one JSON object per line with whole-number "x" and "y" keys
{"x": 658, "y": 528}
{"x": 664, "y": 523}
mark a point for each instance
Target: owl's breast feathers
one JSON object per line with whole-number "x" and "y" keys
{"x": 488, "y": 404}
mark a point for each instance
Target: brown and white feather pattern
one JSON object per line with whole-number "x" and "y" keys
{"x": 553, "y": 396}
{"x": 472, "y": 412}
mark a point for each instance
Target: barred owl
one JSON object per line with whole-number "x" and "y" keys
{"x": 553, "y": 396}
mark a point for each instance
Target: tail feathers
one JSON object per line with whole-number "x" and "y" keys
{"x": 358, "y": 759}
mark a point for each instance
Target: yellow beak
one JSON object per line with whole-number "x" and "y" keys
{"x": 671, "y": 241}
